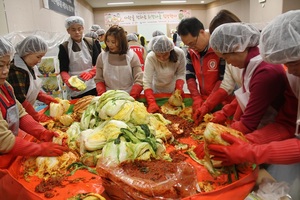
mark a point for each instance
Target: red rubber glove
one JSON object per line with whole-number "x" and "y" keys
{"x": 65, "y": 77}
{"x": 136, "y": 91}
{"x": 47, "y": 135}
{"x": 197, "y": 99}
{"x": 88, "y": 75}
{"x": 101, "y": 88}
{"x": 32, "y": 127}
{"x": 39, "y": 117}
{"x": 228, "y": 110}
{"x": 179, "y": 86}
{"x": 239, "y": 126}
{"x": 25, "y": 148}
{"x": 211, "y": 102}
{"x": 239, "y": 151}
{"x": 47, "y": 99}
{"x": 199, "y": 151}
{"x": 219, "y": 117}
{"x": 152, "y": 105}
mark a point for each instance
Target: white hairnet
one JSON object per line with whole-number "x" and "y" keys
{"x": 161, "y": 44}
{"x": 234, "y": 37}
{"x": 280, "y": 39}
{"x": 73, "y": 20}
{"x": 31, "y": 44}
{"x": 95, "y": 27}
{"x": 91, "y": 35}
{"x": 100, "y": 31}
{"x": 6, "y": 48}
{"x": 157, "y": 33}
{"x": 132, "y": 37}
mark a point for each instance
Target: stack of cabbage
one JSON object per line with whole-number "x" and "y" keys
{"x": 118, "y": 129}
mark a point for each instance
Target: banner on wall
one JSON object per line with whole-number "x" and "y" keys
{"x": 65, "y": 7}
{"x": 146, "y": 17}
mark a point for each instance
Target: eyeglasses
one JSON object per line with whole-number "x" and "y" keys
{"x": 193, "y": 44}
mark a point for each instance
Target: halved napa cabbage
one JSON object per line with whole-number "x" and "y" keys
{"x": 77, "y": 83}
{"x": 176, "y": 98}
{"x": 158, "y": 126}
{"x": 139, "y": 114}
{"x": 94, "y": 139}
{"x": 125, "y": 112}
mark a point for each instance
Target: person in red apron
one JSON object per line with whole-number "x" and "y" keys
{"x": 23, "y": 75}
{"x": 13, "y": 118}
{"x": 118, "y": 67}
{"x": 164, "y": 70}
{"x": 204, "y": 69}
{"x": 77, "y": 57}
{"x": 278, "y": 143}
{"x": 263, "y": 85}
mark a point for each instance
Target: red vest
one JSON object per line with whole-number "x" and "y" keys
{"x": 139, "y": 50}
{"x": 206, "y": 69}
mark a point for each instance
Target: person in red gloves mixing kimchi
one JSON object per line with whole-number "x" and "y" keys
{"x": 263, "y": 85}
{"x": 118, "y": 66}
{"x": 23, "y": 75}
{"x": 14, "y": 120}
{"x": 277, "y": 143}
{"x": 164, "y": 70}
{"x": 204, "y": 69}
{"x": 77, "y": 58}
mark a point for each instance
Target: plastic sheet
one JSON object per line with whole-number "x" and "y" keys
{"x": 53, "y": 39}
{"x": 12, "y": 180}
{"x": 180, "y": 180}
{"x": 237, "y": 190}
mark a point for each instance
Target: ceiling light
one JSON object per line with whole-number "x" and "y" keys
{"x": 172, "y": 1}
{"x": 202, "y": 1}
{"x": 120, "y": 3}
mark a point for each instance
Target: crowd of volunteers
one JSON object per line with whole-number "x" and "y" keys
{"x": 254, "y": 75}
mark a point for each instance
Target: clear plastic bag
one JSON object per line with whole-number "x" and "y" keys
{"x": 179, "y": 183}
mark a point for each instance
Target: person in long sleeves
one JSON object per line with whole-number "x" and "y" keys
{"x": 262, "y": 93}
{"x": 204, "y": 69}
{"x": 232, "y": 80}
{"x": 23, "y": 75}
{"x": 118, "y": 67}
{"x": 164, "y": 70}
{"x": 276, "y": 142}
{"x": 77, "y": 57}
{"x": 14, "y": 120}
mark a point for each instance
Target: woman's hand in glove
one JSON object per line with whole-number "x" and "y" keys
{"x": 199, "y": 114}
{"x": 42, "y": 118}
{"x": 239, "y": 151}
{"x": 235, "y": 153}
{"x": 51, "y": 149}
{"x": 219, "y": 117}
{"x": 88, "y": 75}
{"x": 153, "y": 108}
{"x": 48, "y": 135}
{"x": 47, "y": 99}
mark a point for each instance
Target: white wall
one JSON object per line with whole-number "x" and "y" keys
{"x": 3, "y": 23}
{"x": 261, "y": 14}
{"x": 30, "y": 15}
{"x": 240, "y": 8}
{"x": 198, "y": 11}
